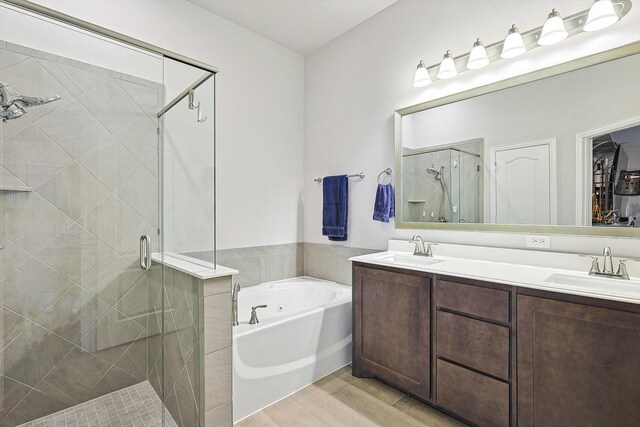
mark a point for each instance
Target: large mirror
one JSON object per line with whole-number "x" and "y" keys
{"x": 559, "y": 153}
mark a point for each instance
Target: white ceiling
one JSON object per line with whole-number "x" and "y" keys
{"x": 300, "y": 25}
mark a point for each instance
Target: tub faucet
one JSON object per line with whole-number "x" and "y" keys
{"x": 234, "y": 304}
{"x": 254, "y": 315}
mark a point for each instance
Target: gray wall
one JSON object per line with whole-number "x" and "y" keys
{"x": 74, "y": 301}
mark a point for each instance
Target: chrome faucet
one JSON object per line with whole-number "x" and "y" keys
{"x": 621, "y": 273}
{"x": 420, "y": 249}
{"x": 234, "y": 304}
{"x": 254, "y": 315}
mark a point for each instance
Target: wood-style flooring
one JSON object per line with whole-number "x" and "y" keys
{"x": 340, "y": 399}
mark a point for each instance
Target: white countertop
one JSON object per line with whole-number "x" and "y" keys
{"x": 513, "y": 273}
{"x": 196, "y": 268}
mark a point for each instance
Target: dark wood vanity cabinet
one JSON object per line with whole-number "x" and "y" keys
{"x": 578, "y": 364}
{"x": 473, "y": 350}
{"x": 498, "y": 355}
{"x": 392, "y": 327}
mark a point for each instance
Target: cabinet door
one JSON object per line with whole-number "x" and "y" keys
{"x": 392, "y": 333}
{"x": 578, "y": 365}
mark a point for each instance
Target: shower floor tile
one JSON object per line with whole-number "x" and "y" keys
{"x": 134, "y": 406}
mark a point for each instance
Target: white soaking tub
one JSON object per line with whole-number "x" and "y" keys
{"x": 303, "y": 335}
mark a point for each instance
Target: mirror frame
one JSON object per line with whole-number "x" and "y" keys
{"x": 587, "y": 61}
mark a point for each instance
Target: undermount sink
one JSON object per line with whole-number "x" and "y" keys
{"x": 598, "y": 285}
{"x": 410, "y": 260}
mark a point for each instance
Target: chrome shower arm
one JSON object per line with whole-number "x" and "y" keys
{"x": 9, "y": 97}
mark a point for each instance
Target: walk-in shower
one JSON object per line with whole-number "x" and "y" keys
{"x": 98, "y": 147}
{"x": 441, "y": 185}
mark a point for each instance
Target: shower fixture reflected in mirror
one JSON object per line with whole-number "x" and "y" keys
{"x": 14, "y": 103}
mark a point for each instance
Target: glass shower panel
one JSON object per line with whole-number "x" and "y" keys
{"x": 80, "y": 185}
{"x": 187, "y": 125}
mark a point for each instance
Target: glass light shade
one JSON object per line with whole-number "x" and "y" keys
{"x": 553, "y": 31}
{"x": 601, "y": 15}
{"x": 447, "y": 68}
{"x": 421, "y": 77}
{"x": 477, "y": 57}
{"x": 513, "y": 44}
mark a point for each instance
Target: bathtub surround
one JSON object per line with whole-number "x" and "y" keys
{"x": 75, "y": 319}
{"x": 260, "y": 264}
{"x": 330, "y": 262}
{"x": 216, "y": 351}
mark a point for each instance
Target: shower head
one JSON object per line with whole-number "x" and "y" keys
{"x": 437, "y": 173}
{"x": 14, "y": 104}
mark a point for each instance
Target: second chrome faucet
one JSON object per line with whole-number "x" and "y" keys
{"x": 607, "y": 271}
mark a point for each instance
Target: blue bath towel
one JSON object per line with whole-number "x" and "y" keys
{"x": 335, "y": 207}
{"x": 385, "y": 204}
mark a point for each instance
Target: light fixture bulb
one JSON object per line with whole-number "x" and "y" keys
{"x": 421, "y": 77}
{"x": 553, "y": 30}
{"x": 601, "y": 15}
{"x": 447, "y": 68}
{"x": 478, "y": 56}
{"x": 513, "y": 44}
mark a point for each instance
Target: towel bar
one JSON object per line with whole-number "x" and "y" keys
{"x": 355, "y": 175}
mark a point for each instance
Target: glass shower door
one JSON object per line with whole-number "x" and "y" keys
{"x": 80, "y": 185}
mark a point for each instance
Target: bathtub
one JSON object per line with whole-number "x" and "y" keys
{"x": 303, "y": 335}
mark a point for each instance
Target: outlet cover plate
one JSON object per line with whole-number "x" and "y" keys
{"x": 538, "y": 241}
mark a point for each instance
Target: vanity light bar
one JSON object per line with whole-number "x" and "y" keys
{"x": 573, "y": 24}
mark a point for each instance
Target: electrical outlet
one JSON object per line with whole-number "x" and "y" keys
{"x": 538, "y": 241}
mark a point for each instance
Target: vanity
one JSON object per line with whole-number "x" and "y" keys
{"x": 498, "y": 343}
{"x": 513, "y": 337}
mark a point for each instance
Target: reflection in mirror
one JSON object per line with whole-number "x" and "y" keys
{"x": 616, "y": 178}
{"x": 563, "y": 150}
{"x": 433, "y": 183}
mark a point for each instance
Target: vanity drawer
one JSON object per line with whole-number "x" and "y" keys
{"x": 474, "y": 300}
{"x": 480, "y": 399}
{"x": 480, "y": 345}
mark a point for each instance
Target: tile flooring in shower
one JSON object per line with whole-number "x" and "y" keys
{"x": 135, "y": 406}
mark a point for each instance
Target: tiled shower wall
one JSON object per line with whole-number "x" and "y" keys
{"x": 75, "y": 307}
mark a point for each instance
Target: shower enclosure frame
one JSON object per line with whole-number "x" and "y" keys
{"x": 105, "y": 32}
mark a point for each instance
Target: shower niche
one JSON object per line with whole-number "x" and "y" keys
{"x": 443, "y": 183}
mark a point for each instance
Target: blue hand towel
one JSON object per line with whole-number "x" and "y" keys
{"x": 385, "y": 204}
{"x": 335, "y": 206}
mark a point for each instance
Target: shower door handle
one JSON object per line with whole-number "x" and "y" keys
{"x": 145, "y": 252}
